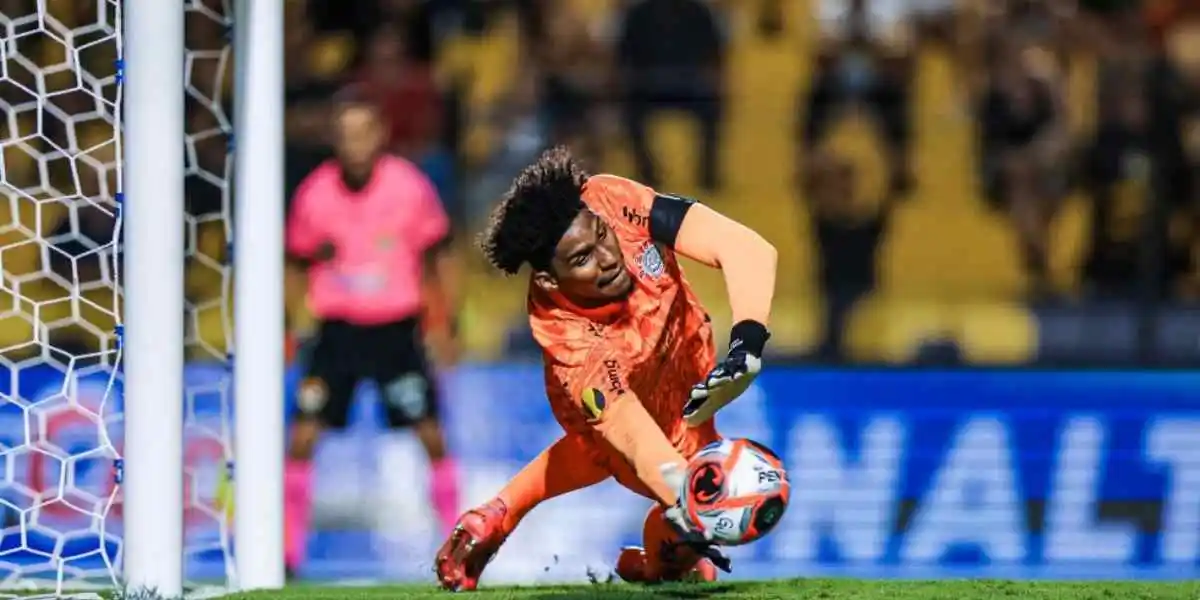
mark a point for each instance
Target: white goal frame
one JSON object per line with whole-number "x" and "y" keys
{"x": 152, "y": 174}
{"x": 152, "y": 171}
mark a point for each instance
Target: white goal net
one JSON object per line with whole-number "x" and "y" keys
{"x": 61, "y": 413}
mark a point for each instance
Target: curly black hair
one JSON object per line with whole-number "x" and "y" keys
{"x": 535, "y": 212}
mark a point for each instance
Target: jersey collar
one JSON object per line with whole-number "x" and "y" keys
{"x": 556, "y": 302}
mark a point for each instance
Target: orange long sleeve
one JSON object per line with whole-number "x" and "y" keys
{"x": 630, "y": 430}
{"x": 747, "y": 260}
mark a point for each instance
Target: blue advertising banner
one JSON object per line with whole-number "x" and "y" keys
{"x": 896, "y": 474}
{"x": 902, "y": 473}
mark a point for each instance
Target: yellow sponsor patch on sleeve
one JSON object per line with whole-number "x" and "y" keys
{"x": 593, "y": 403}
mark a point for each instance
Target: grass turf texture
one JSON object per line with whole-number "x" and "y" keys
{"x": 807, "y": 589}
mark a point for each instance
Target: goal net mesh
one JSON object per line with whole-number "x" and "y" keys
{"x": 61, "y": 410}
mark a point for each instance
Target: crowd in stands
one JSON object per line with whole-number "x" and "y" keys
{"x": 998, "y": 179}
{"x": 1075, "y": 118}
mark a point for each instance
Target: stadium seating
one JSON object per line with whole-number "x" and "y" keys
{"x": 948, "y": 267}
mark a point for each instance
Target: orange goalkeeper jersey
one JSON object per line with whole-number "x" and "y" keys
{"x": 653, "y": 346}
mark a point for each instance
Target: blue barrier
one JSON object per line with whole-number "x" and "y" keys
{"x": 1024, "y": 474}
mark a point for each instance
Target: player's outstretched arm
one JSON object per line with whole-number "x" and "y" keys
{"x": 625, "y": 424}
{"x": 748, "y": 262}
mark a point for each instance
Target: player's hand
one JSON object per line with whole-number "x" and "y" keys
{"x": 732, "y": 376}
{"x": 673, "y": 475}
{"x": 698, "y": 539}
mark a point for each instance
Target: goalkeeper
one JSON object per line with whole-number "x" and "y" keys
{"x": 630, "y": 363}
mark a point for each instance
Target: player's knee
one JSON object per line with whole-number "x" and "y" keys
{"x": 666, "y": 559}
{"x": 656, "y": 530}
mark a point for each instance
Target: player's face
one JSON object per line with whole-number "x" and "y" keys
{"x": 358, "y": 138}
{"x": 589, "y": 268}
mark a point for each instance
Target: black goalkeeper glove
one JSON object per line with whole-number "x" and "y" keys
{"x": 731, "y": 376}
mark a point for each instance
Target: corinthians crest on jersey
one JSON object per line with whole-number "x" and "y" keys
{"x": 650, "y": 261}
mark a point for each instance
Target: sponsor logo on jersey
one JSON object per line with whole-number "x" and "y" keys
{"x": 636, "y": 219}
{"x": 593, "y": 403}
{"x": 612, "y": 370}
{"x": 650, "y": 261}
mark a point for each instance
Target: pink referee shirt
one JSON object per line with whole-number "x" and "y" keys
{"x": 380, "y": 235}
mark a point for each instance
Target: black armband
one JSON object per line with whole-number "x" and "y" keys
{"x": 666, "y": 217}
{"x": 749, "y": 335}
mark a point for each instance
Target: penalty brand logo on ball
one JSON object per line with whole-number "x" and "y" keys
{"x": 593, "y": 403}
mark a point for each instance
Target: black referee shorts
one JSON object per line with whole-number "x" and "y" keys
{"x": 344, "y": 354}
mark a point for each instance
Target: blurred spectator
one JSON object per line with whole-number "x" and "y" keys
{"x": 849, "y": 232}
{"x": 1117, "y": 178}
{"x": 298, "y": 36}
{"x": 372, "y": 233}
{"x": 573, "y": 68}
{"x": 934, "y": 20}
{"x": 1169, "y": 22}
{"x": 405, "y": 93}
{"x": 356, "y": 18}
{"x": 771, "y": 20}
{"x": 1175, "y": 94}
{"x": 1041, "y": 23}
{"x": 1024, "y": 145}
{"x": 423, "y": 24}
{"x": 670, "y": 56}
{"x": 306, "y": 132}
{"x": 863, "y": 56}
{"x": 1112, "y": 28}
{"x": 410, "y": 103}
{"x": 1139, "y": 170}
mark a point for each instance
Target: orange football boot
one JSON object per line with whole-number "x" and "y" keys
{"x": 471, "y": 546}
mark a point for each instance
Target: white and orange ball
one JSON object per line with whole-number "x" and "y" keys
{"x": 736, "y": 490}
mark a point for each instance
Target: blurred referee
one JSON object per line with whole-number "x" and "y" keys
{"x": 370, "y": 230}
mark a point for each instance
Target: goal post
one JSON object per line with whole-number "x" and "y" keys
{"x": 117, "y": 295}
{"x": 258, "y": 295}
{"x": 152, "y": 215}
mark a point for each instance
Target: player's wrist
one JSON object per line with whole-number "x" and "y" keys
{"x": 749, "y": 335}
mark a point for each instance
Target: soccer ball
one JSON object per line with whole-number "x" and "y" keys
{"x": 736, "y": 489}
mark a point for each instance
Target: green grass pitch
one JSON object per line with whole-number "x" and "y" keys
{"x": 806, "y": 589}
